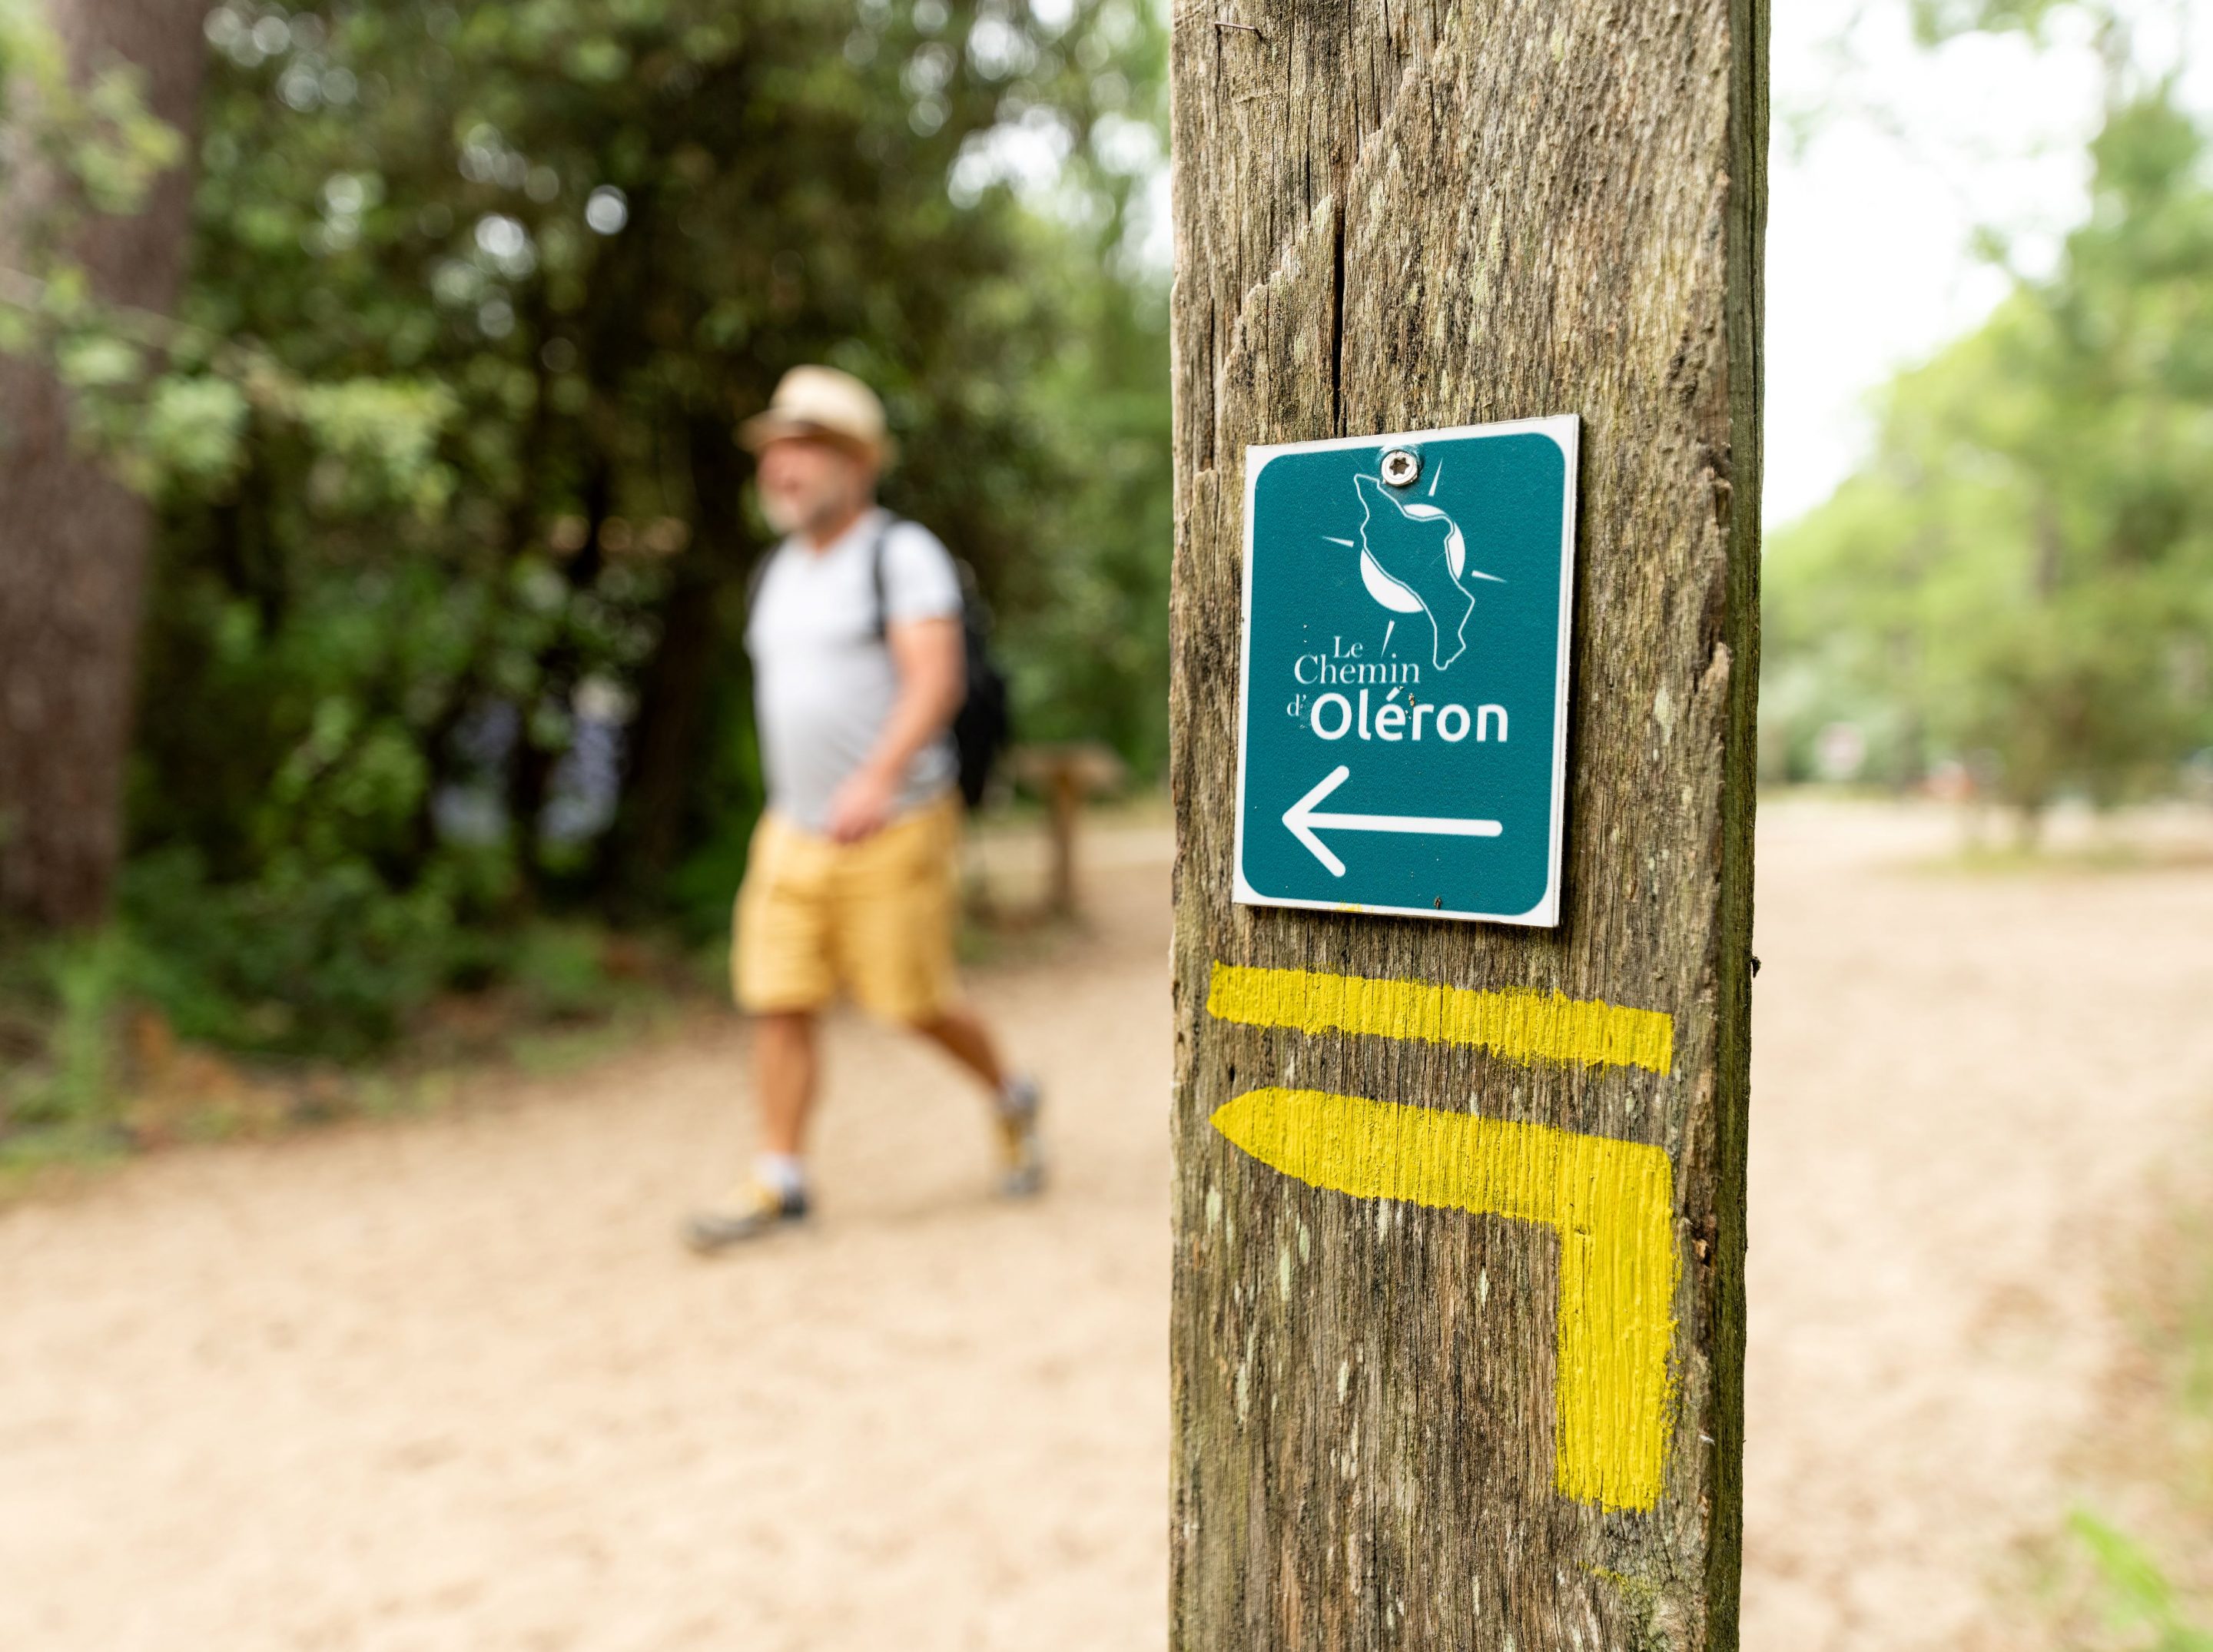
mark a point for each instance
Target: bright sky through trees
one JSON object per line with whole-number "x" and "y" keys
{"x": 1888, "y": 158}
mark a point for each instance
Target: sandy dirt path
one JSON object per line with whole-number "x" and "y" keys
{"x": 448, "y": 1384}
{"x": 1963, "y": 1088}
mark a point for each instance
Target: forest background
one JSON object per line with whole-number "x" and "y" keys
{"x": 440, "y": 673}
{"x": 377, "y": 542}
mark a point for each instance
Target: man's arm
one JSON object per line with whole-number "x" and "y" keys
{"x": 931, "y": 659}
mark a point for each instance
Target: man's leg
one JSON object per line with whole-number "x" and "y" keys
{"x": 961, "y": 1034}
{"x": 896, "y": 946}
{"x": 783, "y": 1073}
{"x": 784, "y": 1066}
{"x": 781, "y": 971}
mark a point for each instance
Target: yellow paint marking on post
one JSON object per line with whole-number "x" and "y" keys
{"x": 1612, "y": 1203}
{"x": 1520, "y": 1024}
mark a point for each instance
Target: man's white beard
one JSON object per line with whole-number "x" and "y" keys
{"x": 809, "y": 517}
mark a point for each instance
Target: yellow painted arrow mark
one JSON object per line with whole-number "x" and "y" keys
{"x": 1520, "y": 1024}
{"x": 1612, "y": 1203}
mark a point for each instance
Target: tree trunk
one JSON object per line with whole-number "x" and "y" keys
{"x": 73, "y": 567}
{"x": 660, "y": 775}
{"x": 1406, "y": 218}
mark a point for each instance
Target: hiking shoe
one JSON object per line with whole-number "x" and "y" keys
{"x": 1022, "y": 1151}
{"x": 753, "y": 1212}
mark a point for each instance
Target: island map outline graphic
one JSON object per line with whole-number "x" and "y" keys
{"x": 1413, "y": 559}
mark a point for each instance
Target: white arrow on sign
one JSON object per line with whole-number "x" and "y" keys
{"x": 1305, "y": 820}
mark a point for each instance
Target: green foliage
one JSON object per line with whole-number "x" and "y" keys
{"x": 443, "y": 663}
{"x": 75, "y": 146}
{"x": 325, "y": 957}
{"x": 1088, "y": 645}
{"x": 2141, "y": 1601}
{"x": 65, "y": 1099}
{"x": 93, "y": 135}
{"x": 199, "y": 422}
{"x": 2022, "y": 578}
{"x": 1937, "y": 21}
{"x": 557, "y": 970}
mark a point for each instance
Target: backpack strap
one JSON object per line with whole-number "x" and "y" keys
{"x": 757, "y": 575}
{"x": 876, "y": 576}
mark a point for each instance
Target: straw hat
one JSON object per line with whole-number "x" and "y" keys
{"x": 824, "y": 403}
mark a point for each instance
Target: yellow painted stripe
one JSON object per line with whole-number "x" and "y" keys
{"x": 1521, "y": 1023}
{"x": 1612, "y": 1203}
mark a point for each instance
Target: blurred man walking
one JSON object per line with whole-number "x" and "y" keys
{"x": 859, "y": 668}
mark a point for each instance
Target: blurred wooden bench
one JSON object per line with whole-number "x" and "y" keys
{"x": 1067, "y": 775}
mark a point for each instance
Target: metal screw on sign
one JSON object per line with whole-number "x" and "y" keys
{"x": 1401, "y": 467}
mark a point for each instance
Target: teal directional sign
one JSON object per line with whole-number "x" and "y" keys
{"x": 1404, "y": 742}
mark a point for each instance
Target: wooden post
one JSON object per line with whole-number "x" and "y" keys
{"x": 1065, "y": 802}
{"x": 1069, "y": 775}
{"x": 1457, "y": 1350}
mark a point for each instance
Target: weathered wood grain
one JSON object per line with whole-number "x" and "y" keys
{"x": 1404, "y": 216}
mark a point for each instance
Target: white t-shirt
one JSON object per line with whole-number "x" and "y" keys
{"x": 823, "y": 684}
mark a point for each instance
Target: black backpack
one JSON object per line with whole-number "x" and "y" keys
{"x": 985, "y": 722}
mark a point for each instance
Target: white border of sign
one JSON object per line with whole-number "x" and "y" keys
{"x": 1564, "y": 428}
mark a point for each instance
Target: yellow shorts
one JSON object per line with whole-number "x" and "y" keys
{"x": 874, "y": 917}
